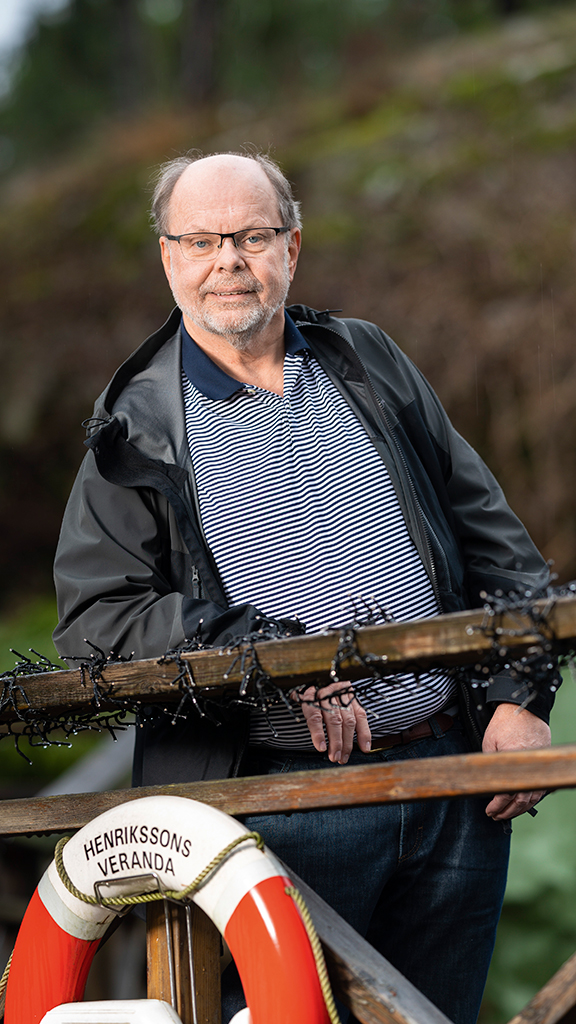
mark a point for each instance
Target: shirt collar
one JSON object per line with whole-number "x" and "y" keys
{"x": 215, "y": 383}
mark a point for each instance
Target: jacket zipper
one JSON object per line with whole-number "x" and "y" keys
{"x": 417, "y": 505}
{"x": 196, "y": 584}
{"x": 196, "y": 578}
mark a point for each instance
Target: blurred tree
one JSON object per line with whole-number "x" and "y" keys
{"x": 74, "y": 68}
{"x": 457, "y": 174}
{"x": 201, "y": 21}
{"x": 128, "y": 70}
{"x": 96, "y": 59}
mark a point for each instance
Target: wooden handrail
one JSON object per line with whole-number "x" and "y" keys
{"x": 444, "y": 640}
{"x": 397, "y": 781}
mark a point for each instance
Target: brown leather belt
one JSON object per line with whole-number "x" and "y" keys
{"x": 442, "y": 721}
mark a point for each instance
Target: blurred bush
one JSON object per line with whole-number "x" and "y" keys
{"x": 437, "y": 183}
{"x": 25, "y": 632}
{"x": 89, "y": 60}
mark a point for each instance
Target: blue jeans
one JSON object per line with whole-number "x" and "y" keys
{"x": 423, "y": 882}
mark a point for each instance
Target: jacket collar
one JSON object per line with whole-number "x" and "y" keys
{"x": 297, "y": 316}
{"x": 144, "y": 398}
{"x": 150, "y": 371}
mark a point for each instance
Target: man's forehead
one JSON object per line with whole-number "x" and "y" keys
{"x": 220, "y": 182}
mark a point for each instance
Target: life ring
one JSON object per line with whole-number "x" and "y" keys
{"x": 174, "y": 838}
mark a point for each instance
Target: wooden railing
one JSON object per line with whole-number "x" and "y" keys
{"x": 364, "y": 981}
{"x": 457, "y": 639}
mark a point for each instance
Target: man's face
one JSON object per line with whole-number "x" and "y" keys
{"x": 231, "y": 296}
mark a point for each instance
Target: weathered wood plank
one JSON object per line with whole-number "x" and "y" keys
{"x": 425, "y": 778}
{"x": 206, "y": 946}
{"x": 157, "y": 969}
{"x": 446, "y": 639}
{"x": 206, "y": 961}
{"x": 364, "y": 981}
{"x": 554, "y": 1000}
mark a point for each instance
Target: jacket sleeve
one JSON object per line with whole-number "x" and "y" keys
{"x": 497, "y": 550}
{"x": 121, "y": 584}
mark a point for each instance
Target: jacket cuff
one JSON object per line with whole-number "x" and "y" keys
{"x": 507, "y": 690}
{"x": 220, "y": 627}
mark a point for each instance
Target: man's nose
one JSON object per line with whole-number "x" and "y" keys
{"x": 229, "y": 257}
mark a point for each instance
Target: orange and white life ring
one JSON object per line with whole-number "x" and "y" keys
{"x": 174, "y": 838}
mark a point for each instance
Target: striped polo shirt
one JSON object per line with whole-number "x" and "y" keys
{"x": 302, "y": 519}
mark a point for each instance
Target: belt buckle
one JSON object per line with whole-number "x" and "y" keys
{"x": 386, "y": 746}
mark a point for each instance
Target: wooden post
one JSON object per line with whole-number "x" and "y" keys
{"x": 206, "y": 960}
{"x": 207, "y": 949}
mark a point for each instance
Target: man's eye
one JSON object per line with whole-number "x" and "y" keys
{"x": 253, "y": 239}
{"x": 202, "y": 243}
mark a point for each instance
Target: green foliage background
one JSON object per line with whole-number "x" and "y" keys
{"x": 537, "y": 931}
{"x": 26, "y": 630}
{"x": 98, "y": 58}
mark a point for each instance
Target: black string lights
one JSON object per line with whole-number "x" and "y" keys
{"x": 534, "y": 669}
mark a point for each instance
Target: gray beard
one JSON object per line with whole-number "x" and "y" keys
{"x": 240, "y": 333}
{"x": 247, "y": 323}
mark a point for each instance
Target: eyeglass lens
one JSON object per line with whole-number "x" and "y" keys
{"x": 203, "y": 245}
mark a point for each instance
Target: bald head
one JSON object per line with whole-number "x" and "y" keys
{"x": 222, "y": 170}
{"x": 209, "y": 190}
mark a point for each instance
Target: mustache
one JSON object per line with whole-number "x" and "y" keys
{"x": 242, "y": 281}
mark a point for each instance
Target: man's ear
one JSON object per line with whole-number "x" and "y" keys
{"x": 166, "y": 257}
{"x": 294, "y": 243}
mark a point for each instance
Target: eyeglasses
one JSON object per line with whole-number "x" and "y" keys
{"x": 202, "y": 245}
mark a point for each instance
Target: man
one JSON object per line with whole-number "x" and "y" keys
{"x": 248, "y": 463}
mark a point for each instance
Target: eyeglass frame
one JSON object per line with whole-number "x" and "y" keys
{"x": 229, "y": 234}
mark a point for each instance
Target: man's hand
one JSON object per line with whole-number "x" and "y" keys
{"x": 513, "y": 729}
{"x": 342, "y": 715}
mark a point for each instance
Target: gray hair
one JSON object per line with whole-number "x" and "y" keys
{"x": 169, "y": 173}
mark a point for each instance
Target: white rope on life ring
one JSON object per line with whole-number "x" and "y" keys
{"x": 175, "y": 839}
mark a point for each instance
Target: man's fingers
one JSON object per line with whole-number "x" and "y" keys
{"x": 314, "y": 718}
{"x": 339, "y": 723}
{"x": 339, "y": 713}
{"x": 329, "y": 715}
{"x": 514, "y": 728}
{"x": 363, "y": 734}
{"x": 510, "y": 805}
{"x": 343, "y": 717}
{"x": 499, "y": 805}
